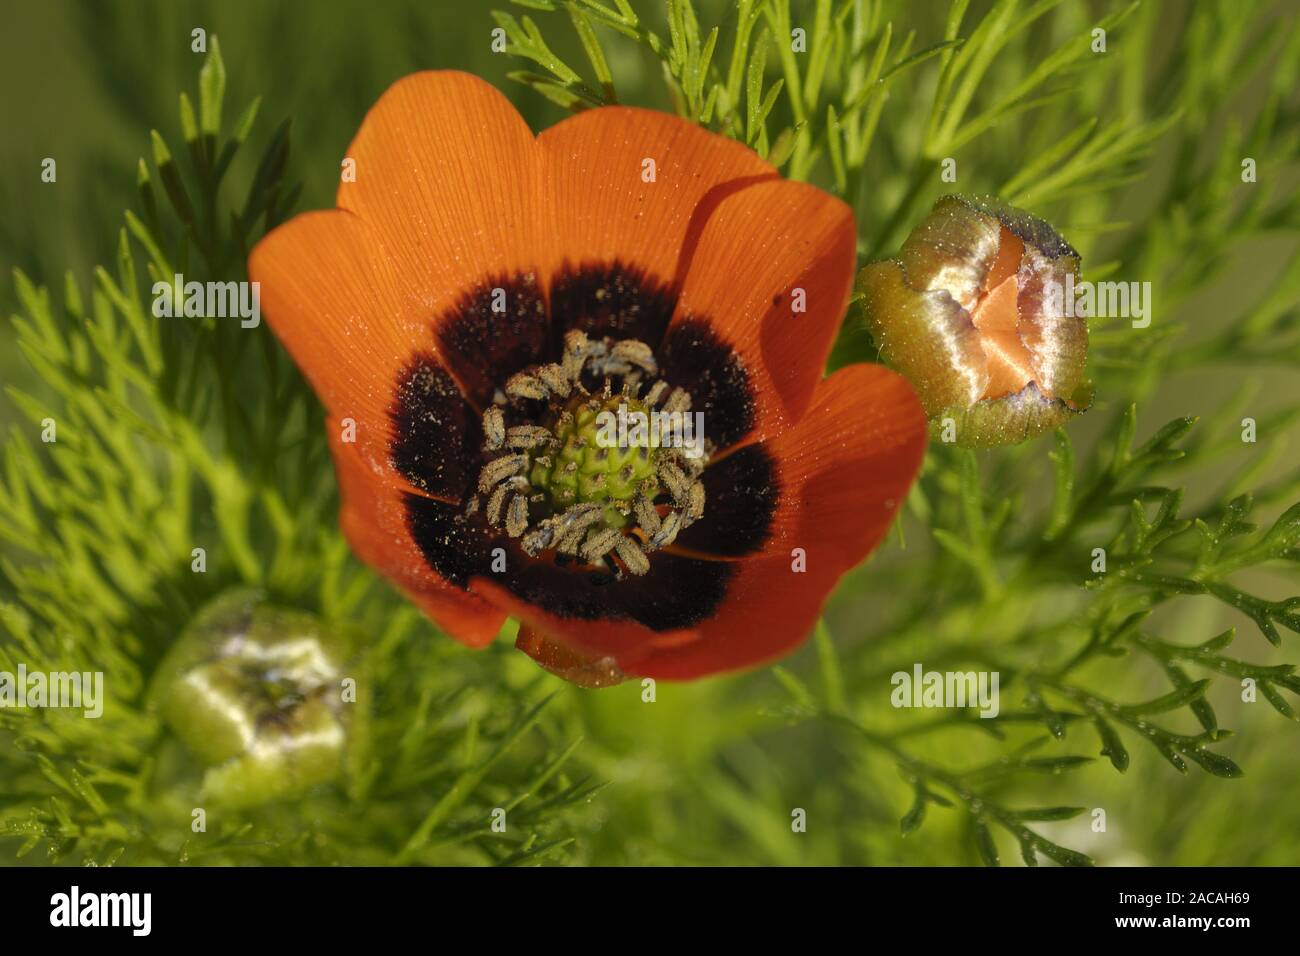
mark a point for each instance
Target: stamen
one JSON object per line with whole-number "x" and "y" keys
{"x": 646, "y": 515}
{"x": 678, "y": 401}
{"x": 575, "y": 347}
{"x": 601, "y": 543}
{"x": 524, "y": 385}
{"x": 529, "y": 436}
{"x": 517, "y": 517}
{"x": 554, "y": 378}
{"x": 495, "y": 504}
{"x": 667, "y": 532}
{"x": 672, "y": 476}
{"x": 636, "y": 353}
{"x": 632, "y": 556}
{"x": 657, "y": 391}
{"x": 497, "y": 471}
{"x": 494, "y": 428}
{"x": 695, "y": 501}
{"x": 555, "y": 481}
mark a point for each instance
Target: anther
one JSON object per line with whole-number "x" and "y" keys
{"x": 632, "y": 556}
{"x": 581, "y": 516}
{"x": 517, "y": 516}
{"x": 556, "y": 379}
{"x": 495, "y": 502}
{"x": 693, "y": 467}
{"x": 573, "y": 524}
{"x": 667, "y": 532}
{"x": 635, "y": 353}
{"x": 695, "y": 501}
{"x": 529, "y": 436}
{"x": 657, "y": 391}
{"x": 601, "y": 543}
{"x": 575, "y": 352}
{"x": 494, "y": 428}
{"x": 570, "y": 543}
{"x": 526, "y": 385}
{"x": 674, "y": 480}
{"x": 678, "y": 401}
{"x": 575, "y": 519}
{"x": 499, "y": 469}
{"x": 537, "y": 540}
{"x": 646, "y": 515}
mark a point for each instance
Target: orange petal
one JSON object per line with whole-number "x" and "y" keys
{"x": 1011, "y": 249}
{"x": 766, "y": 252}
{"x": 336, "y": 304}
{"x": 448, "y": 178}
{"x": 597, "y": 164}
{"x": 846, "y": 467}
{"x": 374, "y": 520}
{"x": 844, "y": 470}
{"x": 997, "y": 318}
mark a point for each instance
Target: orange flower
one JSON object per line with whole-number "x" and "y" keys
{"x": 481, "y": 296}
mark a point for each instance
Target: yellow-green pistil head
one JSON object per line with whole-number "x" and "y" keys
{"x": 972, "y": 312}
{"x": 579, "y": 472}
{"x": 588, "y": 464}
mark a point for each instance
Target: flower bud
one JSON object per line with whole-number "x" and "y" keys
{"x": 255, "y": 693}
{"x": 972, "y": 312}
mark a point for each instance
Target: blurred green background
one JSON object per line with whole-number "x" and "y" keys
{"x": 709, "y": 772}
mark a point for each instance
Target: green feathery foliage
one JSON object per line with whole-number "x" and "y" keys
{"x": 179, "y": 434}
{"x": 172, "y": 435}
{"x": 1009, "y": 589}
